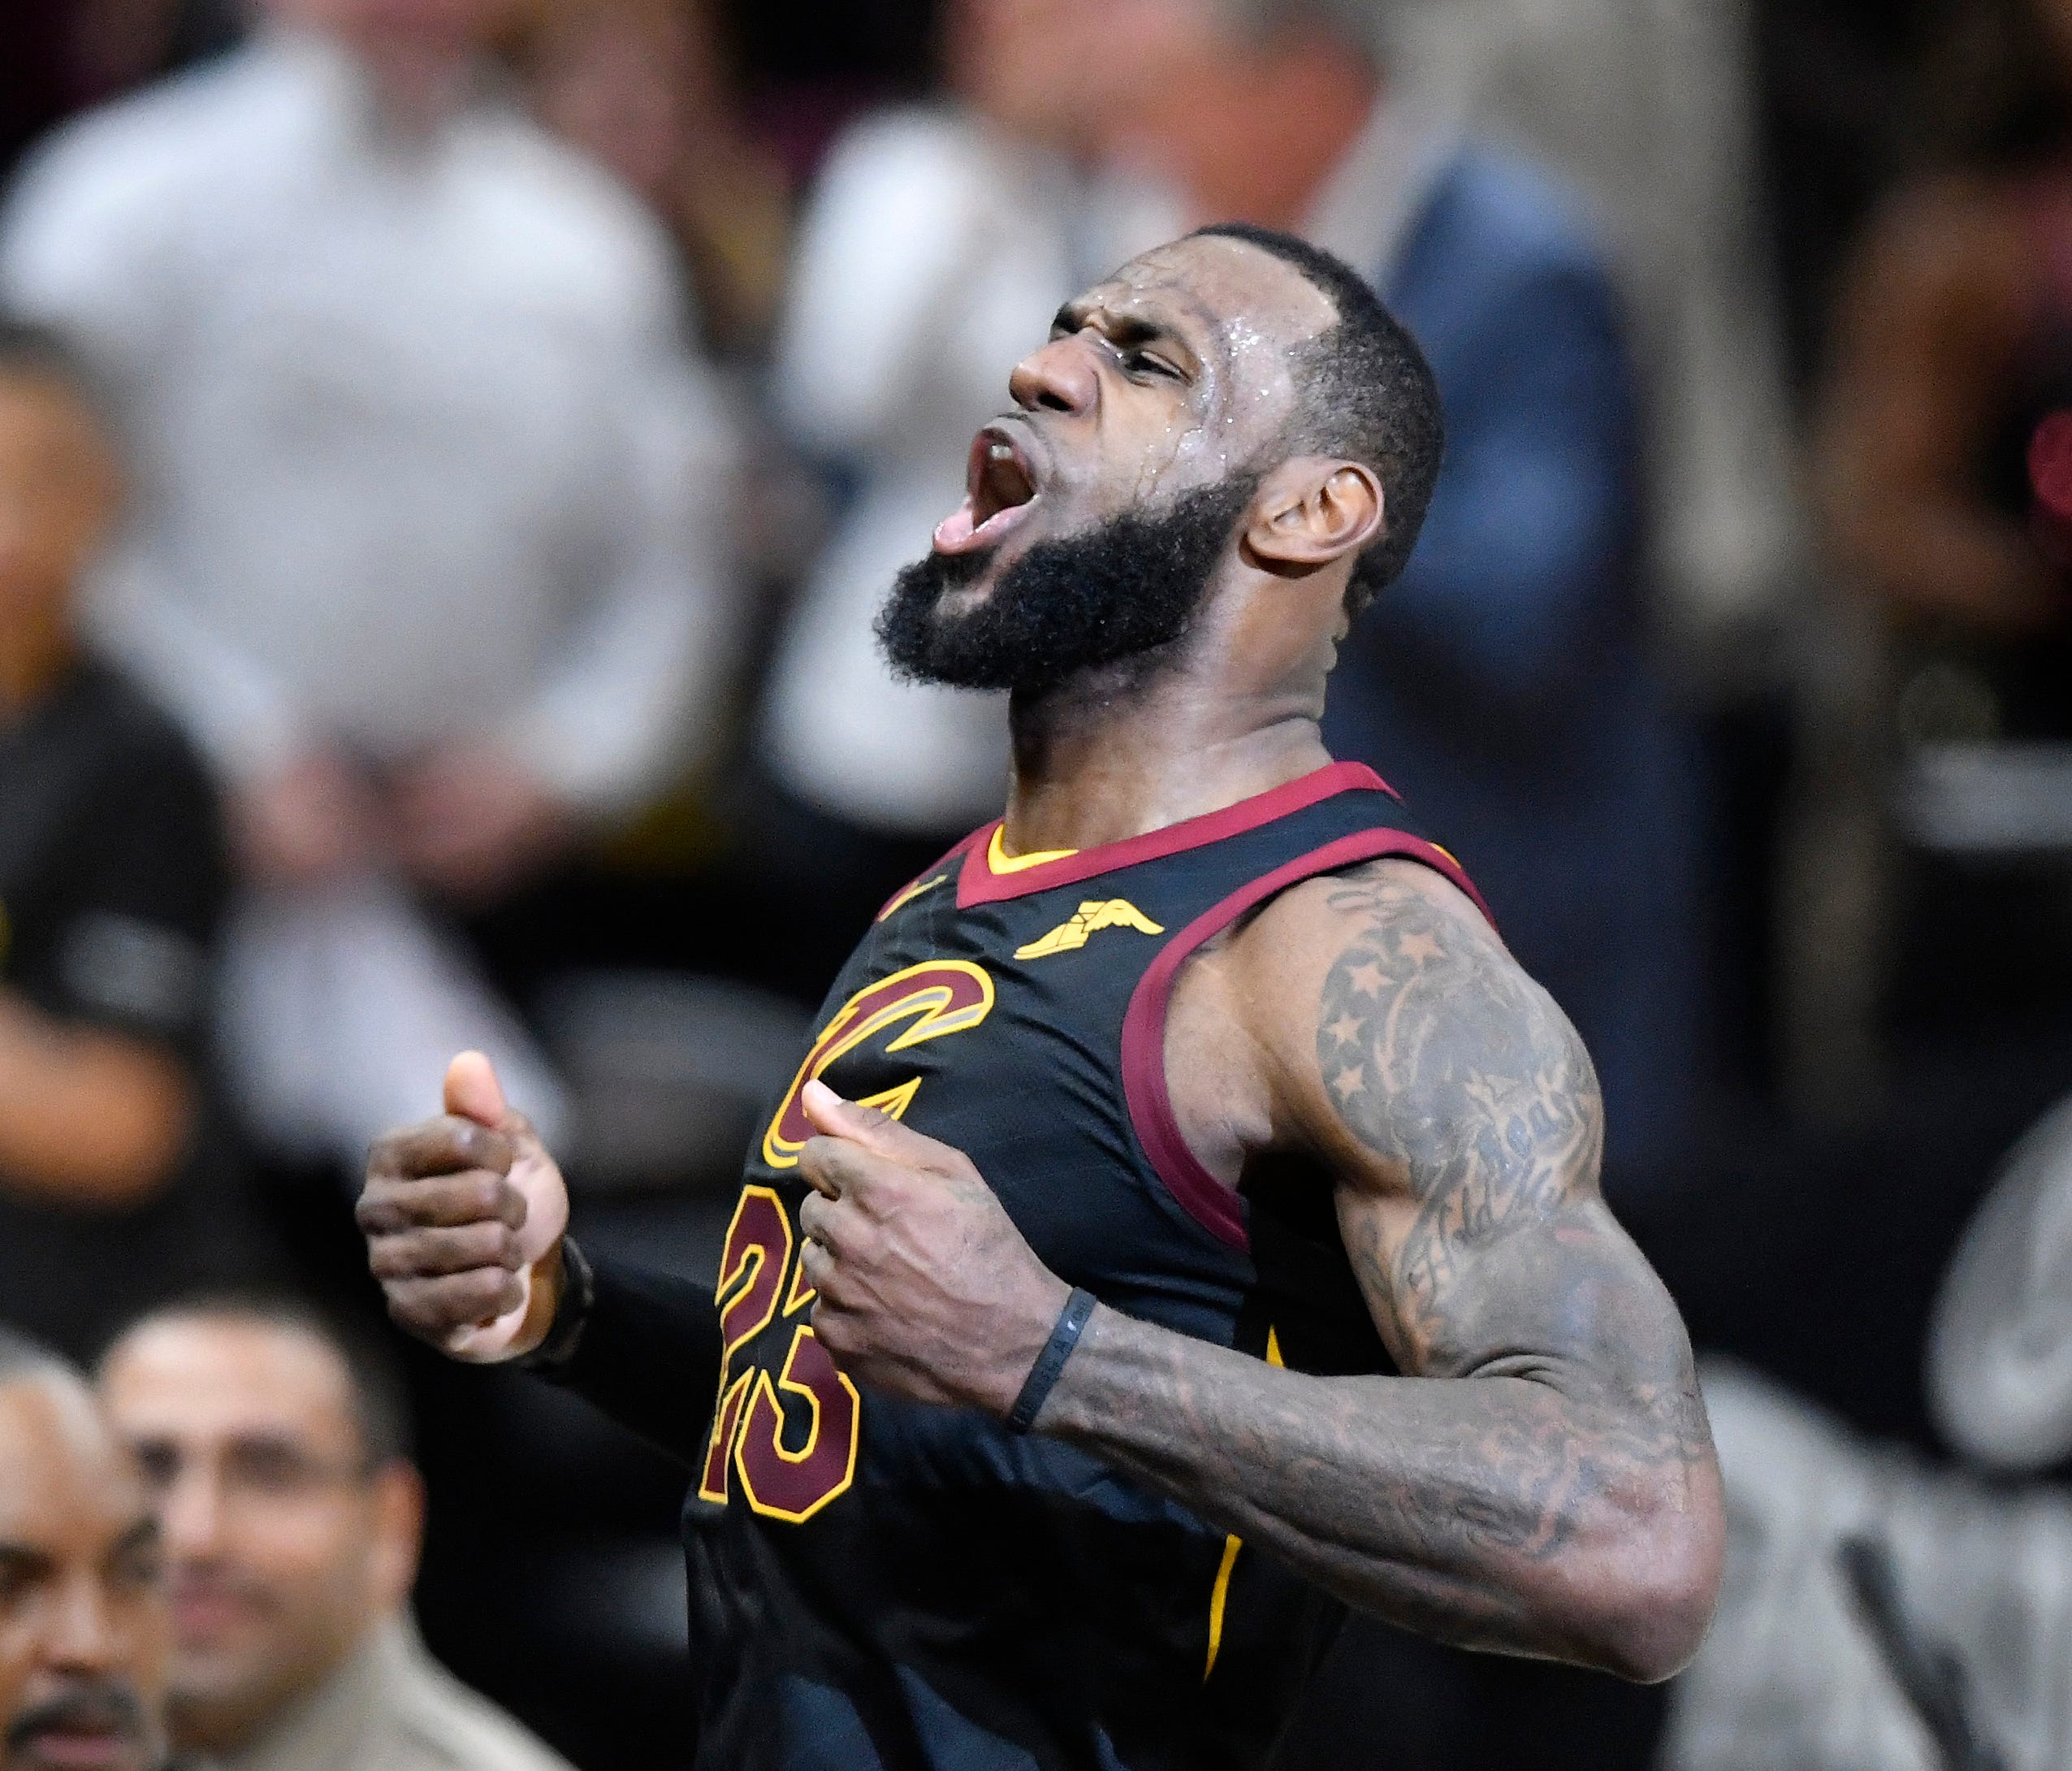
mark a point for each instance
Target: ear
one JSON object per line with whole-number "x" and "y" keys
{"x": 1313, "y": 510}
{"x": 399, "y": 1534}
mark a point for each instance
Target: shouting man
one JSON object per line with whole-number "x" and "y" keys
{"x": 1186, "y": 1222}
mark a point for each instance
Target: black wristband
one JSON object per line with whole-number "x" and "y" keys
{"x": 571, "y": 1314}
{"x": 1044, "y": 1374}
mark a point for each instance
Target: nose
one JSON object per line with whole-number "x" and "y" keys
{"x": 83, "y": 1637}
{"x": 1061, "y": 377}
{"x": 191, "y": 1513}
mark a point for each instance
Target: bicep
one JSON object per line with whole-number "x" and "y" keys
{"x": 1460, "y": 1112}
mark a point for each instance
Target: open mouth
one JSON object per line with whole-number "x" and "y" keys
{"x": 999, "y": 489}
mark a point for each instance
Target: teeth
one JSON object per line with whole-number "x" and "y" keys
{"x": 1000, "y": 451}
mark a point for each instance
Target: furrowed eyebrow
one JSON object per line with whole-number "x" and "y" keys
{"x": 20, "y": 1559}
{"x": 1122, "y": 329}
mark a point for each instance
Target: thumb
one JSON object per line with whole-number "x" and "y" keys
{"x": 832, "y": 1116}
{"x": 473, "y": 1091}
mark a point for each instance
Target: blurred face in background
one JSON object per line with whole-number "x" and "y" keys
{"x": 617, "y": 80}
{"x": 83, "y": 1635}
{"x": 1053, "y": 71}
{"x": 283, "y": 1549}
{"x": 1247, "y": 125}
{"x": 58, "y": 498}
{"x": 415, "y": 49}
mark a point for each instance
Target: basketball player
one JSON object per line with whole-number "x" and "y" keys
{"x": 1185, "y": 1224}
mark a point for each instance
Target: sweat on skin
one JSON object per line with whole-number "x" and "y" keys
{"x": 1541, "y": 1479}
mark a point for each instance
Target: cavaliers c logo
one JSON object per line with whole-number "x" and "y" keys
{"x": 938, "y": 996}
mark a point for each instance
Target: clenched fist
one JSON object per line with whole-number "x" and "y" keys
{"x": 927, "y": 1289}
{"x": 463, "y": 1216}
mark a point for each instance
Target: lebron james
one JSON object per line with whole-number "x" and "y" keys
{"x": 1185, "y": 1223}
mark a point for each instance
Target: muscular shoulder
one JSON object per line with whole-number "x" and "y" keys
{"x": 1399, "y": 1030}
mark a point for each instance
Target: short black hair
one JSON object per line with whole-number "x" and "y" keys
{"x": 1367, "y": 394}
{"x": 378, "y": 1398}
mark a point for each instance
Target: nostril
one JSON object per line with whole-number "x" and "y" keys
{"x": 1051, "y": 400}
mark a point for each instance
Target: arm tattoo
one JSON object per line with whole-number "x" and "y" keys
{"x": 1562, "y": 1444}
{"x": 1444, "y": 1059}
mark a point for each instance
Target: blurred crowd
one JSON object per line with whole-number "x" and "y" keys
{"x": 452, "y": 453}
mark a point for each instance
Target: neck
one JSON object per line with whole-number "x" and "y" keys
{"x": 1101, "y": 759}
{"x": 35, "y": 654}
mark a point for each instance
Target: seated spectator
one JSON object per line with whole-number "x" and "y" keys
{"x": 422, "y": 555}
{"x": 113, "y": 1184}
{"x": 83, "y": 1626}
{"x": 1952, "y": 343}
{"x": 1504, "y": 684}
{"x": 278, "y": 1455}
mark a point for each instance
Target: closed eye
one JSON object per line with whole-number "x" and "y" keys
{"x": 1142, "y": 362}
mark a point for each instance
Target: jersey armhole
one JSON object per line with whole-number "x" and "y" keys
{"x": 1217, "y": 1208}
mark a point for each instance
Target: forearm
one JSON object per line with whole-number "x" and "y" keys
{"x": 1495, "y": 1512}
{"x": 649, "y": 1356}
{"x": 87, "y": 1118}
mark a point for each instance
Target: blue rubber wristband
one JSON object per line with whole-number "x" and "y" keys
{"x": 1050, "y": 1363}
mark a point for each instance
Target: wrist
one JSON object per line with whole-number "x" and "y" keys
{"x": 562, "y": 1290}
{"x": 1048, "y": 1367}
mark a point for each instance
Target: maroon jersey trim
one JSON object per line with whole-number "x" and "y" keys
{"x": 978, "y": 884}
{"x": 1205, "y": 1199}
{"x": 912, "y": 889}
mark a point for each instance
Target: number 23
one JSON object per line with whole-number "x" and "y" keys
{"x": 749, "y": 1426}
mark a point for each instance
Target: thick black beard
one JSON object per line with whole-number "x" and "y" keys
{"x": 1126, "y": 589}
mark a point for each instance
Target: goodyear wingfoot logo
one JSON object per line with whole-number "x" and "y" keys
{"x": 1090, "y": 919}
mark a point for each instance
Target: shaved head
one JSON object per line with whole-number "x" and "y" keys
{"x": 83, "y": 1631}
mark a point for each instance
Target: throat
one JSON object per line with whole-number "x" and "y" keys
{"x": 1095, "y": 767}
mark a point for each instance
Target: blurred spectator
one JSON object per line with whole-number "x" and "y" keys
{"x": 57, "y": 56}
{"x": 1502, "y": 684}
{"x": 939, "y": 243}
{"x": 113, "y": 1185}
{"x": 83, "y": 1627}
{"x": 1649, "y": 106}
{"x": 642, "y": 87}
{"x": 279, "y": 1459}
{"x": 1952, "y": 342}
{"x": 422, "y": 550}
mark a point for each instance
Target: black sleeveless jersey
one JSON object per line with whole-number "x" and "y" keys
{"x": 879, "y": 1585}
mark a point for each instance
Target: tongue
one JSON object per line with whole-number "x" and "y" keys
{"x": 957, "y": 527}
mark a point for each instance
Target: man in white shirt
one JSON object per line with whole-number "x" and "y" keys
{"x": 423, "y": 549}
{"x": 290, "y": 1519}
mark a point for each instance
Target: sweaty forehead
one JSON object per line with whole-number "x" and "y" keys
{"x": 1235, "y": 292}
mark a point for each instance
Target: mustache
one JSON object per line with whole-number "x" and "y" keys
{"x": 96, "y": 1706}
